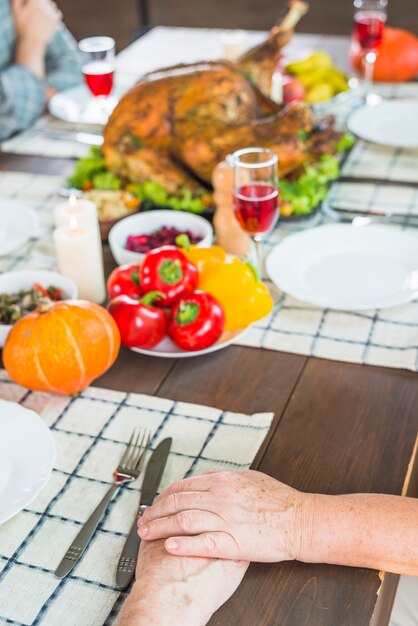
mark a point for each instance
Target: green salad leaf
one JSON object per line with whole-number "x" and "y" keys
{"x": 155, "y": 193}
{"x": 346, "y": 142}
{"x": 106, "y": 180}
{"x": 86, "y": 168}
{"x": 305, "y": 193}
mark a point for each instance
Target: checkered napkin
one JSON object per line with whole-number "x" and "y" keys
{"x": 90, "y": 433}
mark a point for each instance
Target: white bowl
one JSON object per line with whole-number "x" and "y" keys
{"x": 12, "y": 282}
{"x": 149, "y": 222}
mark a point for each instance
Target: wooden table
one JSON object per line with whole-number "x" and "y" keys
{"x": 338, "y": 428}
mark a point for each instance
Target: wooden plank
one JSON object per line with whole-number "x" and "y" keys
{"x": 346, "y": 429}
{"x": 227, "y": 380}
{"x": 239, "y": 379}
{"x": 136, "y": 373}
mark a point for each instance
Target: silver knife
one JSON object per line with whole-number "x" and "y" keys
{"x": 152, "y": 479}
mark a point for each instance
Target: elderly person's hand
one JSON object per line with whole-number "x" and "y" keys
{"x": 178, "y": 590}
{"x": 232, "y": 515}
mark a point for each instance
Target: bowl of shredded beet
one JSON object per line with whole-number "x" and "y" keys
{"x": 165, "y": 236}
{"x": 131, "y": 238}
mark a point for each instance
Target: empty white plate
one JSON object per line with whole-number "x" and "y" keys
{"x": 392, "y": 123}
{"x": 27, "y": 456}
{"x": 347, "y": 267}
{"x": 18, "y": 224}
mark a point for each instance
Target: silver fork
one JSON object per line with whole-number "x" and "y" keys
{"x": 129, "y": 469}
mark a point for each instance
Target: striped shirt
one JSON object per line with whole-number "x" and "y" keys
{"x": 22, "y": 94}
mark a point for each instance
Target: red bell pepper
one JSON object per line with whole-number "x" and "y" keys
{"x": 141, "y": 324}
{"x": 167, "y": 270}
{"x": 196, "y": 322}
{"x": 124, "y": 281}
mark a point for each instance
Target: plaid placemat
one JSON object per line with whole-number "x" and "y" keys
{"x": 90, "y": 433}
{"x": 40, "y": 192}
{"x": 367, "y": 160}
{"x": 388, "y": 337}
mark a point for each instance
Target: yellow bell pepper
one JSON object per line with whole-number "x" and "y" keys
{"x": 244, "y": 298}
{"x": 205, "y": 259}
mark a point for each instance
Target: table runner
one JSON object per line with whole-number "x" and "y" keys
{"x": 386, "y": 337}
{"x": 90, "y": 432}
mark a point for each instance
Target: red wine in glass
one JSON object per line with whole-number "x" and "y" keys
{"x": 256, "y": 207}
{"x": 368, "y": 28}
{"x": 99, "y": 77}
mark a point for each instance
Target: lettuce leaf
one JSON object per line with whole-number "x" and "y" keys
{"x": 305, "y": 193}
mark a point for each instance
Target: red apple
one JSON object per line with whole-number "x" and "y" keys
{"x": 293, "y": 89}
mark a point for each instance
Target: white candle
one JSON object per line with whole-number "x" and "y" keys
{"x": 79, "y": 256}
{"x": 276, "y": 93}
{"x": 84, "y": 211}
{"x": 235, "y": 43}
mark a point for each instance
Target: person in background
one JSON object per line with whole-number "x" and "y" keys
{"x": 38, "y": 57}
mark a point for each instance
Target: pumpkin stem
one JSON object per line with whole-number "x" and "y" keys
{"x": 44, "y": 305}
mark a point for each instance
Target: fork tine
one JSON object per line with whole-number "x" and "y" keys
{"x": 141, "y": 451}
{"x": 141, "y": 457}
{"x": 126, "y": 451}
{"x": 133, "y": 451}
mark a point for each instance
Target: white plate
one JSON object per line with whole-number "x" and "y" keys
{"x": 18, "y": 224}
{"x": 347, "y": 267}
{"x": 391, "y": 123}
{"x": 27, "y": 456}
{"x": 168, "y": 350}
{"x": 77, "y": 106}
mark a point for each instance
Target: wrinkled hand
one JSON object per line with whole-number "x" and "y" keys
{"x": 36, "y": 20}
{"x": 178, "y": 590}
{"x": 230, "y": 515}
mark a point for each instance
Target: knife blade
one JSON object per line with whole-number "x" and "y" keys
{"x": 152, "y": 479}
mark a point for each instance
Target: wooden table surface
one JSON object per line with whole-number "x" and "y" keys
{"x": 338, "y": 428}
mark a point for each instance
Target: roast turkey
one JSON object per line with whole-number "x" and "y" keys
{"x": 176, "y": 124}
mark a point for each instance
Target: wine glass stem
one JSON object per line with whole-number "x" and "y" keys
{"x": 258, "y": 244}
{"x": 369, "y": 61}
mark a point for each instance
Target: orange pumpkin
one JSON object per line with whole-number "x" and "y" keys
{"x": 62, "y": 347}
{"x": 397, "y": 59}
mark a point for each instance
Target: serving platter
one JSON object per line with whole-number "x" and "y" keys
{"x": 167, "y": 349}
{"x": 27, "y": 456}
{"x": 346, "y": 267}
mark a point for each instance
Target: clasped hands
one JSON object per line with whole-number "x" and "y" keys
{"x": 198, "y": 539}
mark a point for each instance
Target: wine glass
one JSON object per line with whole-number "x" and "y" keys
{"x": 98, "y": 66}
{"x": 256, "y": 195}
{"x": 369, "y": 23}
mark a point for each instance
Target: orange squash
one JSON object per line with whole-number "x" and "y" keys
{"x": 397, "y": 59}
{"x": 62, "y": 347}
